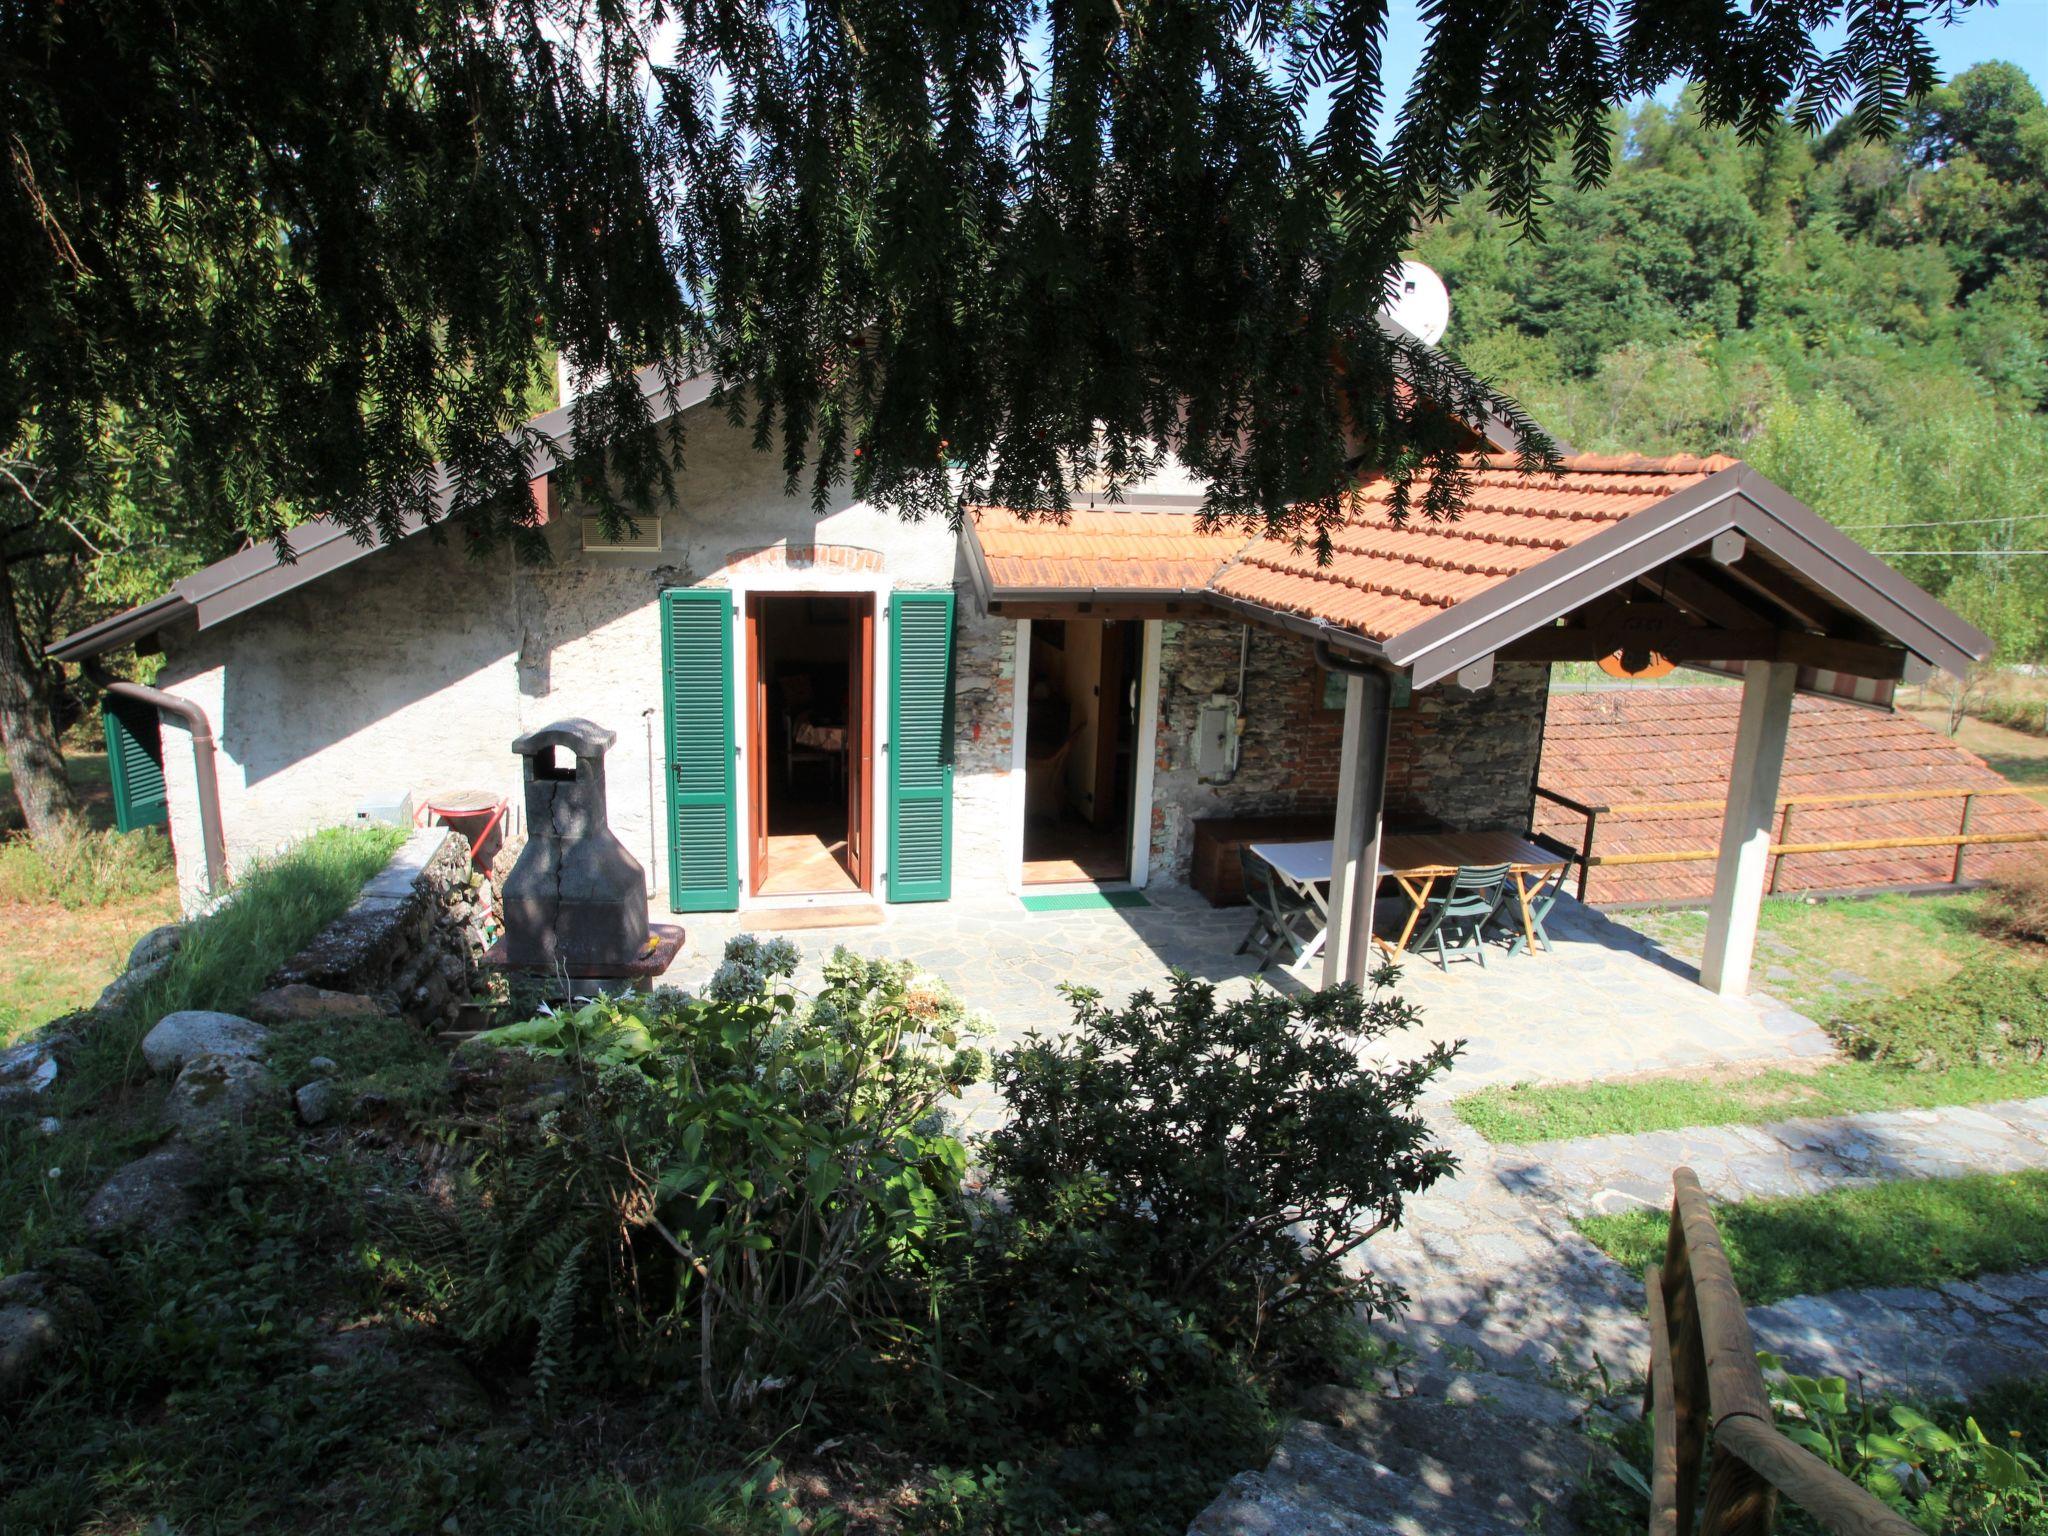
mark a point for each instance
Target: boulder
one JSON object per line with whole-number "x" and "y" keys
{"x": 30, "y": 1337}
{"x": 300, "y": 1001}
{"x": 214, "y": 1092}
{"x": 149, "y": 1196}
{"x": 190, "y": 1033}
{"x": 157, "y": 944}
{"x": 125, "y": 988}
{"x": 317, "y": 1101}
{"x": 42, "y": 1312}
{"x": 24, "y": 1060}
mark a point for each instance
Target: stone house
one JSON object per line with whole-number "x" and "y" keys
{"x": 850, "y": 708}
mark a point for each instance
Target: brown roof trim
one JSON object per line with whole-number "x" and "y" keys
{"x": 254, "y": 576}
{"x": 1738, "y": 498}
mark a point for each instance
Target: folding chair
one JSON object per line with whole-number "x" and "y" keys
{"x": 1280, "y": 914}
{"x": 1542, "y": 897}
{"x": 1467, "y": 905}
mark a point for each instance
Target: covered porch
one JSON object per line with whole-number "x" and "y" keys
{"x": 1693, "y": 560}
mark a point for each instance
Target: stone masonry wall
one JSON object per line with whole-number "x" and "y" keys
{"x": 1456, "y": 759}
{"x": 412, "y": 936}
{"x": 984, "y": 799}
{"x": 1468, "y": 760}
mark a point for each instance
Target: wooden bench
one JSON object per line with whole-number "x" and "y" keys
{"x": 1218, "y": 838}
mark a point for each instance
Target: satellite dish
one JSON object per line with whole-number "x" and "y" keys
{"x": 1419, "y": 302}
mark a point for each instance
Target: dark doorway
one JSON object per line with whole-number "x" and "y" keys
{"x": 1080, "y": 758}
{"x": 810, "y": 661}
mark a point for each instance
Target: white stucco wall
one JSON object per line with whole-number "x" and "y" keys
{"x": 414, "y": 668}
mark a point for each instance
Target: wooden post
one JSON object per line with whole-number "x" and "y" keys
{"x": 1740, "y": 870}
{"x": 1784, "y": 837}
{"x": 1955, "y": 876}
{"x": 1688, "y": 1374}
{"x": 1586, "y": 852}
{"x": 1355, "y": 842}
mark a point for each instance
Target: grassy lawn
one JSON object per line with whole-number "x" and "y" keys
{"x": 1534, "y": 1112}
{"x": 1911, "y": 958}
{"x": 1918, "y": 1232}
{"x": 59, "y": 954}
{"x": 1819, "y": 956}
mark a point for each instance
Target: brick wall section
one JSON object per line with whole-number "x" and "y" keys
{"x": 1463, "y": 760}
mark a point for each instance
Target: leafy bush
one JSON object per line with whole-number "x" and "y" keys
{"x": 740, "y": 1188}
{"x": 81, "y": 869}
{"x": 1950, "y": 1479}
{"x": 1991, "y": 1011}
{"x": 1186, "y": 1184}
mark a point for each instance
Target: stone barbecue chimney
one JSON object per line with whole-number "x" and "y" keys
{"x": 576, "y": 898}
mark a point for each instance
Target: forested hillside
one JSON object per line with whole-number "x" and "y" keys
{"x": 1866, "y": 323}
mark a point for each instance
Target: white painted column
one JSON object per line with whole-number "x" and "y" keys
{"x": 1145, "y": 745}
{"x": 1740, "y": 872}
{"x": 1355, "y": 840}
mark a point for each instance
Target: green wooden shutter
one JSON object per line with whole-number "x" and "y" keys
{"x": 703, "y": 843}
{"x": 135, "y": 763}
{"x": 920, "y": 746}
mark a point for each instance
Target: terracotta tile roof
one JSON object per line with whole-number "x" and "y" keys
{"x": 1619, "y": 746}
{"x": 1382, "y": 579}
{"x": 1123, "y": 549}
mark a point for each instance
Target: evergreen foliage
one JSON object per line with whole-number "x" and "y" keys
{"x": 296, "y": 256}
{"x": 1866, "y": 323}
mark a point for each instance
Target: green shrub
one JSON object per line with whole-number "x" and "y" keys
{"x": 738, "y": 1190}
{"x": 1186, "y": 1185}
{"x": 81, "y": 869}
{"x": 1991, "y": 1011}
{"x": 1943, "y": 1477}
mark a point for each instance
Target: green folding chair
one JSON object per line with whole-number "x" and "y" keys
{"x": 1542, "y": 897}
{"x": 1463, "y": 909}
{"x": 1283, "y": 921}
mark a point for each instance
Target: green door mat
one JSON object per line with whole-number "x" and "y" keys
{"x": 1084, "y": 901}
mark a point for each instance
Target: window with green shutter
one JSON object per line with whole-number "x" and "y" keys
{"x": 920, "y": 746}
{"x": 697, "y": 687}
{"x": 135, "y": 763}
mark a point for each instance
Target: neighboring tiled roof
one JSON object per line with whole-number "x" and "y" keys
{"x": 1620, "y": 746}
{"x": 1382, "y": 578}
{"x": 1120, "y": 549}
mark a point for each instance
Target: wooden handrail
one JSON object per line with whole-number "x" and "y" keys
{"x": 1851, "y": 797}
{"x": 1704, "y": 1377}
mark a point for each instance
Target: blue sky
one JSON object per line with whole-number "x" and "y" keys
{"x": 2016, "y": 31}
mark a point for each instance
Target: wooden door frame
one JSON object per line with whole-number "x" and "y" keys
{"x": 860, "y": 743}
{"x": 862, "y": 725}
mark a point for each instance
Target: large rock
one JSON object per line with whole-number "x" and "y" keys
{"x": 127, "y": 987}
{"x": 157, "y": 944}
{"x": 30, "y": 1338}
{"x": 318, "y": 1100}
{"x": 300, "y": 1001}
{"x": 43, "y": 1312}
{"x": 27, "y": 1072}
{"x": 149, "y": 1196}
{"x": 216, "y": 1092}
{"x": 193, "y": 1032}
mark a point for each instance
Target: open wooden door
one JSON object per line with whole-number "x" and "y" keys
{"x": 1106, "y": 805}
{"x": 860, "y": 736}
{"x": 757, "y": 748}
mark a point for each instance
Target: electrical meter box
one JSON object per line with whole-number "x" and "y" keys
{"x": 386, "y": 809}
{"x": 1217, "y": 728}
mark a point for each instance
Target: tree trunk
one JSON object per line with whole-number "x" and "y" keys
{"x": 28, "y": 733}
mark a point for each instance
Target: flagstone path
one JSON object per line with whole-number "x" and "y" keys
{"x": 1499, "y": 1279}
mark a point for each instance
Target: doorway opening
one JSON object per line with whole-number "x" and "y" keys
{"x": 1080, "y": 749}
{"x": 811, "y": 670}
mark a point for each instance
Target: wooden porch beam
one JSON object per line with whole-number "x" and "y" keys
{"x": 1858, "y": 658}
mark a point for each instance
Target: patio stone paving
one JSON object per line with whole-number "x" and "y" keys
{"x": 1605, "y": 1002}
